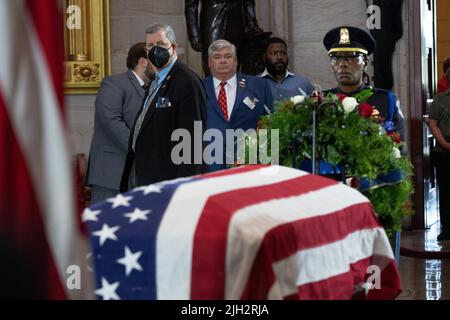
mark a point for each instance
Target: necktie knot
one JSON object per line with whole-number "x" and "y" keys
{"x": 223, "y": 84}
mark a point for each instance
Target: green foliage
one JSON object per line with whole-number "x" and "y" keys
{"x": 392, "y": 203}
{"x": 360, "y": 145}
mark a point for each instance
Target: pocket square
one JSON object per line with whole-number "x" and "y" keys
{"x": 163, "y": 102}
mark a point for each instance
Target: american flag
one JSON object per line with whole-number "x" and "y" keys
{"x": 253, "y": 232}
{"x": 40, "y": 228}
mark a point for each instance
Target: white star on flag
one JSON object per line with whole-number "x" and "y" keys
{"x": 137, "y": 214}
{"x": 149, "y": 189}
{"x": 119, "y": 201}
{"x": 108, "y": 291}
{"x": 130, "y": 261}
{"x": 106, "y": 233}
{"x": 89, "y": 215}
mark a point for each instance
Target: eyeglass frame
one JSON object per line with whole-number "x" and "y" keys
{"x": 350, "y": 59}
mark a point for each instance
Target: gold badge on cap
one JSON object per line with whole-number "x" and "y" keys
{"x": 345, "y": 36}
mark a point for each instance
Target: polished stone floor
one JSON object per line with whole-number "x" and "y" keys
{"x": 424, "y": 279}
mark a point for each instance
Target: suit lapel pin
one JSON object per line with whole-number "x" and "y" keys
{"x": 242, "y": 83}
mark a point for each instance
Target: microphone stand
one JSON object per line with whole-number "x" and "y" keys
{"x": 316, "y": 107}
{"x": 314, "y": 139}
{"x": 315, "y": 118}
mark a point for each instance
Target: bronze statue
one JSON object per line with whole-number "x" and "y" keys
{"x": 386, "y": 37}
{"x": 219, "y": 19}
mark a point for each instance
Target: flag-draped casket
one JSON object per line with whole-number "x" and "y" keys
{"x": 253, "y": 232}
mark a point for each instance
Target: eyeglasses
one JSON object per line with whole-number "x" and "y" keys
{"x": 350, "y": 59}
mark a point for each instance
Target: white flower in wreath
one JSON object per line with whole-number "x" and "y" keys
{"x": 349, "y": 104}
{"x": 297, "y": 99}
{"x": 396, "y": 153}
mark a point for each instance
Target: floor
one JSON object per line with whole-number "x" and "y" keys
{"x": 424, "y": 279}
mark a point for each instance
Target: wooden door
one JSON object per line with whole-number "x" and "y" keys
{"x": 422, "y": 83}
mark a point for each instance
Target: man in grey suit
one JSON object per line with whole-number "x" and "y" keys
{"x": 116, "y": 107}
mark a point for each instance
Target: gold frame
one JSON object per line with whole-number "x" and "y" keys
{"x": 86, "y": 49}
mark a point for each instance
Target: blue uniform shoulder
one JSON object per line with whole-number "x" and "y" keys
{"x": 381, "y": 91}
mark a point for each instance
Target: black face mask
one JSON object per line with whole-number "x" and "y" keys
{"x": 159, "y": 56}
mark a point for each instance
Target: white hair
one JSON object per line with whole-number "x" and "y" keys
{"x": 220, "y": 44}
{"x": 170, "y": 34}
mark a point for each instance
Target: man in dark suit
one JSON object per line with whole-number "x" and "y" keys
{"x": 235, "y": 101}
{"x": 175, "y": 100}
{"x": 219, "y": 19}
{"x": 116, "y": 107}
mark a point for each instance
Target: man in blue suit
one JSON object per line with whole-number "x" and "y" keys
{"x": 235, "y": 101}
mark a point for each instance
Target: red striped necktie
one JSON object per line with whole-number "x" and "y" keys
{"x": 223, "y": 100}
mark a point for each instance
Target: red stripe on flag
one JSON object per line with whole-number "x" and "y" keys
{"x": 33, "y": 271}
{"x": 309, "y": 233}
{"x": 209, "y": 256}
{"x": 47, "y": 17}
{"x": 391, "y": 285}
{"x": 340, "y": 287}
{"x": 278, "y": 243}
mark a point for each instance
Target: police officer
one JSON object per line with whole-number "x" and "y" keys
{"x": 349, "y": 48}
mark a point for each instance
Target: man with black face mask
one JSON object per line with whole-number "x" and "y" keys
{"x": 116, "y": 108}
{"x": 175, "y": 100}
{"x": 283, "y": 83}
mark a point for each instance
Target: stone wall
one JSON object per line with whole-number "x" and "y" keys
{"x": 309, "y": 22}
{"x": 128, "y": 21}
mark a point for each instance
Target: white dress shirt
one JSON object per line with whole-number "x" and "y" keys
{"x": 230, "y": 90}
{"x": 141, "y": 82}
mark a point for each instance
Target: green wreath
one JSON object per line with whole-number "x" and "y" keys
{"x": 349, "y": 135}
